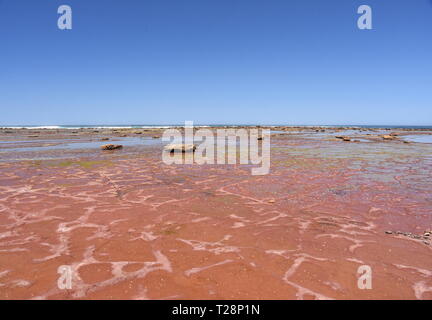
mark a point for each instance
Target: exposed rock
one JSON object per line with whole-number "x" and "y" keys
{"x": 388, "y": 137}
{"x": 111, "y": 147}
{"x": 104, "y": 139}
{"x": 425, "y": 238}
{"x": 180, "y": 147}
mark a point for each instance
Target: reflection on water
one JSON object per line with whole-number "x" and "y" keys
{"x": 419, "y": 138}
{"x": 67, "y": 144}
{"x": 8, "y": 142}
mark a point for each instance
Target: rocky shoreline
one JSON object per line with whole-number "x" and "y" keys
{"x": 131, "y": 226}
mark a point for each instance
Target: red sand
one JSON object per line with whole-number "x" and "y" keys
{"x": 134, "y": 228}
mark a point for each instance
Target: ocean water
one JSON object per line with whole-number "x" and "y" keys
{"x": 90, "y": 127}
{"x": 150, "y": 126}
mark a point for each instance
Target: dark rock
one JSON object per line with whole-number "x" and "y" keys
{"x": 111, "y": 147}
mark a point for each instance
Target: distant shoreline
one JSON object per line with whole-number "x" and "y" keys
{"x": 77, "y": 127}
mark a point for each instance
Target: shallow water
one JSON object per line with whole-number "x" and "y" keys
{"x": 419, "y": 138}
{"x": 29, "y": 141}
{"x": 67, "y": 144}
{"x": 131, "y": 227}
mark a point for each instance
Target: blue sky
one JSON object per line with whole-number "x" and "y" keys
{"x": 216, "y": 61}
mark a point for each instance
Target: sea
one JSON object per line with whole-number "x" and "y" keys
{"x": 150, "y": 126}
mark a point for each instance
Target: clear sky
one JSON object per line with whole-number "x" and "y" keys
{"x": 215, "y": 62}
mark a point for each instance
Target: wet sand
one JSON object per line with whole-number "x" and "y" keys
{"x": 132, "y": 227}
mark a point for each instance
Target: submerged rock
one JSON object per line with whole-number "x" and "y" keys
{"x": 111, "y": 147}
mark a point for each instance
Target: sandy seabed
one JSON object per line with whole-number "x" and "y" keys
{"x": 131, "y": 227}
